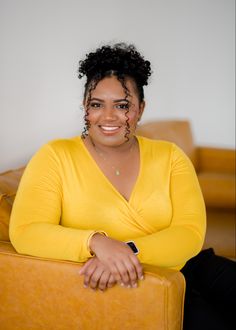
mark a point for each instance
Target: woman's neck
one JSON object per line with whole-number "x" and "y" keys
{"x": 116, "y": 149}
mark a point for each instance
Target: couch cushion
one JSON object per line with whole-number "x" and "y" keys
{"x": 221, "y": 228}
{"x": 9, "y": 182}
{"x": 218, "y": 189}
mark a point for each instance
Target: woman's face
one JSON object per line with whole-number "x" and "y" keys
{"x": 109, "y": 111}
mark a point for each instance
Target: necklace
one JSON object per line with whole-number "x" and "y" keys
{"x": 115, "y": 168}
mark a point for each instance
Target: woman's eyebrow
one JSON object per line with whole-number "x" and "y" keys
{"x": 121, "y": 100}
{"x": 114, "y": 101}
{"x": 96, "y": 99}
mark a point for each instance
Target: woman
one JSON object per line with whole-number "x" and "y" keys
{"x": 84, "y": 198}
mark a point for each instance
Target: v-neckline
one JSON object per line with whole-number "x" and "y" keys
{"x": 128, "y": 201}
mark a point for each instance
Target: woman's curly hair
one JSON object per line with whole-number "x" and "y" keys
{"x": 120, "y": 60}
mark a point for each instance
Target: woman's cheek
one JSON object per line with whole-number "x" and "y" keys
{"x": 133, "y": 118}
{"x": 92, "y": 116}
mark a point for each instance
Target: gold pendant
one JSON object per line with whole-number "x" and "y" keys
{"x": 117, "y": 172}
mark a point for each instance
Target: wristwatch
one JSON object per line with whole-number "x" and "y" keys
{"x": 133, "y": 247}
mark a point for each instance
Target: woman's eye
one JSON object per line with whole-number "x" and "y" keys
{"x": 95, "y": 105}
{"x": 123, "y": 106}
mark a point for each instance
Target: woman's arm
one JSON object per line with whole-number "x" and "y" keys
{"x": 35, "y": 220}
{"x": 183, "y": 239}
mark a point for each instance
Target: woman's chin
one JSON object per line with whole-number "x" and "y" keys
{"x": 109, "y": 140}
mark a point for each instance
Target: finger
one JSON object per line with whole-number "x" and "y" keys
{"x": 85, "y": 266}
{"x": 88, "y": 273}
{"x": 124, "y": 277}
{"x": 111, "y": 282}
{"x": 115, "y": 272}
{"x": 103, "y": 281}
{"x": 131, "y": 271}
{"x": 95, "y": 278}
{"x": 138, "y": 267}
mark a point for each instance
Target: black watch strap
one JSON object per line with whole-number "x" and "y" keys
{"x": 133, "y": 247}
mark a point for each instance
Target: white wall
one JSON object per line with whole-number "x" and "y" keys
{"x": 189, "y": 42}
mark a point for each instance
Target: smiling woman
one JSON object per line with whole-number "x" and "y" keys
{"x": 83, "y": 199}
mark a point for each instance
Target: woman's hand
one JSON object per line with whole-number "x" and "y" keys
{"x": 96, "y": 275}
{"x": 118, "y": 258}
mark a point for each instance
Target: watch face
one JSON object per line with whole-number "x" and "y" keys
{"x": 133, "y": 247}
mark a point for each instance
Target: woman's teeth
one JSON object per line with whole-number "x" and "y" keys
{"x": 109, "y": 128}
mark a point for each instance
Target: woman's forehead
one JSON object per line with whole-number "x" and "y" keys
{"x": 113, "y": 87}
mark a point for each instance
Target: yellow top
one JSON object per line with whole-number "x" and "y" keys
{"x": 64, "y": 197}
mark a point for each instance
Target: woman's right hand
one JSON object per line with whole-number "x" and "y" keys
{"x": 119, "y": 258}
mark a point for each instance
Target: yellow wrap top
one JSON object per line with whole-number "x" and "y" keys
{"x": 64, "y": 197}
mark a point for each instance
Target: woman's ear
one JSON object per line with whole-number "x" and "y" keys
{"x": 141, "y": 109}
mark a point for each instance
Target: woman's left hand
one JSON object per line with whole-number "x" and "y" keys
{"x": 96, "y": 275}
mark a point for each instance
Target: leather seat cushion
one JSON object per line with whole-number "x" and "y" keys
{"x": 218, "y": 189}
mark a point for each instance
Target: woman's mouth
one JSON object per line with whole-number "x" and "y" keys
{"x": 109, "y": 129}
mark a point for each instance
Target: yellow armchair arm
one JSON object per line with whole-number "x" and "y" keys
{"x": 38, "y": 293}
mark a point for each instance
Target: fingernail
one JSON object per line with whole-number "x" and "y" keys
{"x": 142, "y": 277}
{"x": 85, "y": 286}
{"x": 121, "y": 284}
{"x": 134, "y": 285}
{"x": 128, "y": 286}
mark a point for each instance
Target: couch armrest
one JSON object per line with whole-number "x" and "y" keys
{"x": 39, "y": 293}
{"x": 218, "y": 160}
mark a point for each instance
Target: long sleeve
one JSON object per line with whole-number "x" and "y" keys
{"x": 174, "y": 245}
{"x": 35, "y": 220}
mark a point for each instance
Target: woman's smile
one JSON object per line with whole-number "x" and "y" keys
{"x": 109, "y": 130}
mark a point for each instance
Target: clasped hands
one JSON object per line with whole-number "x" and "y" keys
{"x": 114, "y": 262}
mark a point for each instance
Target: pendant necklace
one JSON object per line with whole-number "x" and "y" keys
{"x": 116, "y": 169}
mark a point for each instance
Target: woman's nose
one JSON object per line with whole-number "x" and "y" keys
{"x": 109, "y": 112}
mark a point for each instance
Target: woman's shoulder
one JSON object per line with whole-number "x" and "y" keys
{"x": 62, "y": 145}
{"x": 57, "y": 149}
{"x": 161, "y": 148}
